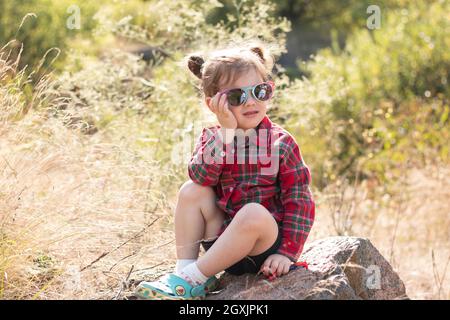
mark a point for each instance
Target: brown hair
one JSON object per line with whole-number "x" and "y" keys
{"x": 224, "y": 66}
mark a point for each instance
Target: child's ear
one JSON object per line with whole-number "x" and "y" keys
{"x": 208, "y": 102}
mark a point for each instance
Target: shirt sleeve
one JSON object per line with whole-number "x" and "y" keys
{"x": 207, "y": 161}
{"x": 297, "y": 200}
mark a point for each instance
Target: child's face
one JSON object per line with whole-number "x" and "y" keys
{"x": 248, "y": 121}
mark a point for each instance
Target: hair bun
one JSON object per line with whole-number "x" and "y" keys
{"x": 259, "y": 52}
{"x": 195, "y": 64}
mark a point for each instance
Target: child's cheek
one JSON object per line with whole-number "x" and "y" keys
{"x": 235, "y": 113}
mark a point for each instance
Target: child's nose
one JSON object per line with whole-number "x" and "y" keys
{"x": 250, "y": 101}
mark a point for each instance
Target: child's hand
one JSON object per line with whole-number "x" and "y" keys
{"x": 276, "y": 264}
{"x": 219, "y": 105}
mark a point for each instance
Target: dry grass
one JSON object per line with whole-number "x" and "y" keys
{"x": 81, "y": 213}
{"x": 408, "y": 227}
{"x": 76, "y": 211}
{"x": 68, "y": 199}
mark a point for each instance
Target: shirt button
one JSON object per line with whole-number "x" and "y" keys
{"x": 232, "y": 151}
{"x": 222, "y": 153}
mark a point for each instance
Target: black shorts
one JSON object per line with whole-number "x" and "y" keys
{"x": 249, "y": 264}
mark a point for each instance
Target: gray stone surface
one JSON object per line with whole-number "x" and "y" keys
{"x": 347, "y": 268}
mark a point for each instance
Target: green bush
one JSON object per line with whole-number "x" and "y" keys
{"x": 41, "y": 25}
{"x": 369, "y": 106}
{"x": 154, "y": 23}
{"x": 344, "y": 15}
{"x": 160, "y": 99}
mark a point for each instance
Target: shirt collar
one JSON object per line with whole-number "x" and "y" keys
{"x": 265, "y": 123}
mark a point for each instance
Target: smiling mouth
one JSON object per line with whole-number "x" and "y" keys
{"x": 249, "y": 113}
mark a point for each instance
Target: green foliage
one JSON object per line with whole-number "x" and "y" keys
{"x": 172, "y": 103}
{"x": 41, "y": 25}
{"x": 367, "y": 110}
{"x": 343, "y": 15}
{"x": 367, "y": 107}
{"x": 379, "y": 102}
{"x": 153, "y": 23}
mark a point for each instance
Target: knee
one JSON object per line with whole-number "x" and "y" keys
{"x": 253, "y": 216}
{"x": 193, "y": 191}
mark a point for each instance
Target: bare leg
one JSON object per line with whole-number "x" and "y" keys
{"x": 252, "y": 231}
{"x": 196, "y": 217}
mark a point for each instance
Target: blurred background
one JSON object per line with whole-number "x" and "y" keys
{"x": 95, "y": 100}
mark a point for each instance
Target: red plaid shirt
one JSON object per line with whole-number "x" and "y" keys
{"x": 285, "y": 192}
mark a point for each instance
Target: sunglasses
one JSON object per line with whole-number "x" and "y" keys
{"x": 261, "y": 92}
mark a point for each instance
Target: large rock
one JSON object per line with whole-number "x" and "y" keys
{"x": 339, "y": 268}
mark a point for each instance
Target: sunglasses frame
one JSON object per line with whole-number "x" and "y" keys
{"x": 251, "y": 89}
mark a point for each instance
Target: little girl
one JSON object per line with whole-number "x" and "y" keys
{"x": 247, "y": 218}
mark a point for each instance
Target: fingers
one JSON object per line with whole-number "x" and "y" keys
{"x": 223, "y": 105}
{"x": 265, "y": 268}
{"x": 282, "y": 269}
{"x": 275, "y": 267}
{"x": 269, "y": 267}
{"x": 286, "y": 268}
{"x": 213, "y": 104}
{"x": 219, "y": 104}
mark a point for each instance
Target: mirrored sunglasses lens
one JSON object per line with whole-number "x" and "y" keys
{"x": 263, "y": 92}
{"x": 236, "y": 97}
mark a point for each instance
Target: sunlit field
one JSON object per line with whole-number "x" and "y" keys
{"x": 89, "y": 130}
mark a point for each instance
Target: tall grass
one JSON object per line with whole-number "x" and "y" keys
{"x": 410, "y": 226}
{"x": 87, "y": 186}
{"x": 79, "y": 210}
{"x": 66, "y": 197}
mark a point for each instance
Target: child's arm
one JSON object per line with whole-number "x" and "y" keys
{"x": 204, "y": 168}
{"x": 297, "y": 200}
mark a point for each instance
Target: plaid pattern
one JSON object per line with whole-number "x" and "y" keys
{"x": 285, "y": 192}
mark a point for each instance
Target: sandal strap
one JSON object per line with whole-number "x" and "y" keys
{"x": 179, "y": 286}
{"x": 176, "y": 287}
